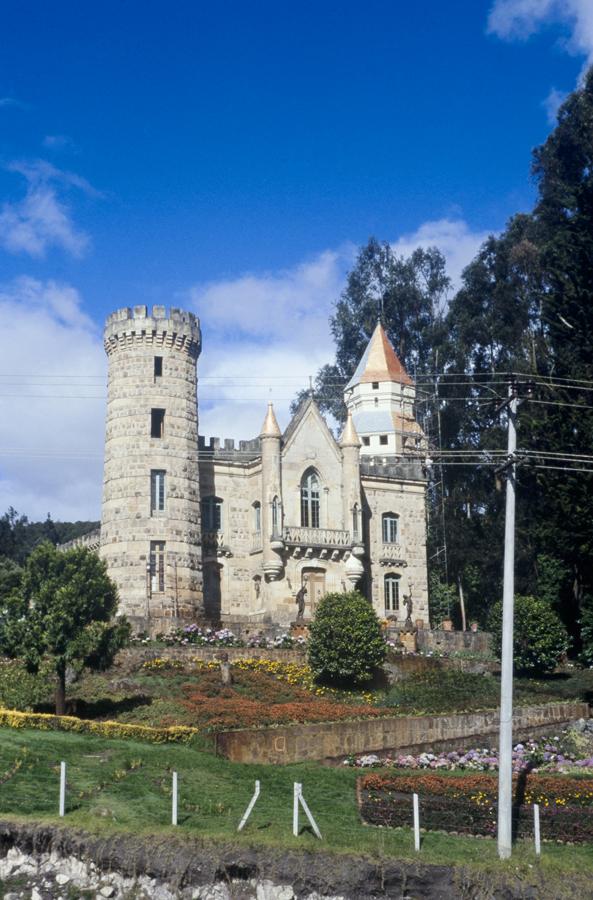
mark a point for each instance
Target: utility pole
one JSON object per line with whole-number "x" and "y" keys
{"x": 505, "y": 752}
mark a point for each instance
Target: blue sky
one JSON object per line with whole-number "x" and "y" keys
{"x": 229, "y": 158}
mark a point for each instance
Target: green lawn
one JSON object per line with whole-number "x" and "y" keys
{"x": 124, "y": 785}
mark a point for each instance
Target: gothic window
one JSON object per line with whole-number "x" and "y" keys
{"x": 391, "y": 590}
{"x": 257, "y": 517}
{"x": 310, "y": 491}
{"x": 211, "y": 513}
{"x": 157, "y": 491}
{"x": 157, "y": 567}
{"x": 275, "y": 516}
{"x": 355, "y": 518}
{"x": 390, "y": 528}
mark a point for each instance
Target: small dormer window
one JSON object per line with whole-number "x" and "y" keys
{"x": 375, "y": 385}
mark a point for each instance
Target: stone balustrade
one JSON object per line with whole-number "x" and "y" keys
{"x": 296, "y": 535}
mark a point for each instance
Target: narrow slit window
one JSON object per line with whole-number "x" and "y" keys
{"x": 157, "y": 567}
{"x": 157, "y": 423}
{"x": 158, "y": 366}
{"x": 157, "y": 491}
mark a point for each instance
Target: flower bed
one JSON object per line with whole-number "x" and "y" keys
{"x": 468, "y": 803}
{"x": 223, "y": 637}
{"x": 564, "y": 751}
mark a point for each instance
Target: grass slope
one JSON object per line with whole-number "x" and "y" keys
{"x": 122, "y": 785}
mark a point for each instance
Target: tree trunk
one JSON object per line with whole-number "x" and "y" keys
{"x": 61, "y": 689}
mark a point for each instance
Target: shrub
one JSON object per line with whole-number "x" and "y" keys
{"x": 540, "y": 638}
{"x": 346, "y": 643}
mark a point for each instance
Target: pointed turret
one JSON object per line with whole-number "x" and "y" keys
{"x": 381, "y": 396}
{"x": 350, "y": 435}
{"x": 270, "y": 428}
{"x": 379, "y": 362}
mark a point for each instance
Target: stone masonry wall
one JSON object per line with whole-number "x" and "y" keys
{"x": 132, "y": 341}
{"x": 407, "y": 734}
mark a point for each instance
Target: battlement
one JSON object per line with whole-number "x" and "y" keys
{"x": 246, "y": 451}
{"x": 175, "y": 328}
{"x": 400, "y": 468}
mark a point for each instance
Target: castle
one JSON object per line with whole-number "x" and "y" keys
{"x": 258, "y": 533}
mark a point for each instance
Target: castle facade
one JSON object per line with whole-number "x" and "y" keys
{"x": 256, "y": 533}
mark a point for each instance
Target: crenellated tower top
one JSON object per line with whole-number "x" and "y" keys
{"x": 177, "y": 329}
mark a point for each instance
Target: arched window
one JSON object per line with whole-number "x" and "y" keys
{"x": 355, "y": 522}
{"x": 257, "y": 517}
{"x": 310, "y": 490}
{"x": 391, "y": 591}
{"x": 390, "y": 528}
{"x": 211, "y": 513}
{"x": 275, "y": 516}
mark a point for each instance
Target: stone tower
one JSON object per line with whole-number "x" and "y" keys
{"x": 150, "y": 528}
{"x": 381, "y": 397}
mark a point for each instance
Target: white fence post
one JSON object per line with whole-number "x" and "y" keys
{"x": 416, "y": 823}
{"x": 62, "y": 789}
{"x": 298, "y": 798}
{"x": 536, "y": 832}
{"x": 174, "y": 800}
{"x": 295, "y": 808}
{"x": 247, "y": 812}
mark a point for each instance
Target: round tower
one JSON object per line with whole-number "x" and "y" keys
{"x": 150, "y": 528}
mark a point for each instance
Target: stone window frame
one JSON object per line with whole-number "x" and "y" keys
{"x": 390, "y": 528}
{"x": 391, "y": 591}
{"x": 211, "y": 507}
{"x": 256, "y": 506}
{"x": 310, "y": 496}
{"x": 158, "y": 494}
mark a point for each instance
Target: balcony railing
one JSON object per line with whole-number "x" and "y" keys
{"x": 295, "y": 535}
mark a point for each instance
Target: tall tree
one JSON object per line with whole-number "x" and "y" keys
{"x": 408, "y": 294}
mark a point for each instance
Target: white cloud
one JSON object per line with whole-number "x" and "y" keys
{"x": 52, "y": 431}
{"x": 42, "y": 219}
{"x": 521, "y": 19}
{"x": 552, "y": 104}
{"x": 59, "y": 142}
{"x": 453, "y": 237}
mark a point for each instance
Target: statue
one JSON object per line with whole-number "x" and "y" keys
{"x": 300, "y": 602}
{"x": 409, "y": 627}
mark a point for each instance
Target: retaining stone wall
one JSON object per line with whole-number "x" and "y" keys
{"x": 132, "y": 658}
{"x": 455, "y": 641}
{"x": 406, "y": 734}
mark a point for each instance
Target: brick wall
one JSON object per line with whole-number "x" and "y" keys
{"x": 335, "y": 740}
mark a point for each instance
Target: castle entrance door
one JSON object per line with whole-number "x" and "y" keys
{"x": 314, "y": 581}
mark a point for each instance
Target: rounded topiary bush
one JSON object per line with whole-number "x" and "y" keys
{"x": 539, "y": 637}
{"x": 346, "y": 643}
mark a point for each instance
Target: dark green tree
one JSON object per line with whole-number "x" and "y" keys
{"x": 539, "y": 638}
{"x": 408, "y": 295}
{"x": 346, "y": 643}
{"x": 63, "y": 608}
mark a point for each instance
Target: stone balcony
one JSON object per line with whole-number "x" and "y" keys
{"x": 323, "y": 543}
{"x": 391, "y": 555}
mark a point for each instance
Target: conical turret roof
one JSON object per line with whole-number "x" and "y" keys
{"x": 270, "y": 428}
{"x": 379, "y": 362}
{"x": 350, "y": 435}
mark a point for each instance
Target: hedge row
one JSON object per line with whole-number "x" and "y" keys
{"x": 9, "y": 718}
